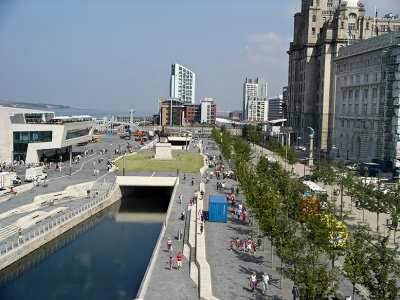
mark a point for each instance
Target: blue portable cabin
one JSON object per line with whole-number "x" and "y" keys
{"x": 218, "y": 209}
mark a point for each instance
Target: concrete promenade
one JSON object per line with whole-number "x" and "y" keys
{"x": 210, "y": 270}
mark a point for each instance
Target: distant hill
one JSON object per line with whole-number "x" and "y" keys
{"x": 34, "y": 105}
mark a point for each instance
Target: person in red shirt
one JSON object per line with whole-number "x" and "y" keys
{"x": 254, "y": 248}
{"x": 244, "y": 217}
{"x": 231, "y": 245}
{"x": 179, "y": 260}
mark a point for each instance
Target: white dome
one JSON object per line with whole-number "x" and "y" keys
{"x": 352, "y": 3}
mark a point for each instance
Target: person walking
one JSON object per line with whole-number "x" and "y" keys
{"x": 171, "y": 261}
{"x": 265, "y": 282}
{"x": 179, "y": 260}
{"x": 169, "y": 244}
{"x": 180, "y": 198}
{"x": 88, "y": 194}
{"x": 237, "y": 243}
{"x": 231, "y": 246}
{"x": 201, "y": 228}
{"x": 253, "y": 282}
{"x": 243, "y": 246}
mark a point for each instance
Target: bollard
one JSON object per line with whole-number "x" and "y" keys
{"x": 179, "y": 235}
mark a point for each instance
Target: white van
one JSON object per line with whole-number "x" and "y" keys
{"x": 36, "y": 172}
{"x": 7, "y": 179}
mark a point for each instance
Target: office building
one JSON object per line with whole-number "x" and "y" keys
{"x": 255, "y": 103}
{"x": 367, "y": 122}
{"x": 172, "y": 111}
{"x": 36, "y": 136}
{"x": 275, "y": 108}
{"x": 320, "y": 30}
{"x": 208, "y": 111}
{"x": 182, "y": 84}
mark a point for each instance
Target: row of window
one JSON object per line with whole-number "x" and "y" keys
{"x": 359, "y": 124}
{"x": 352, "y": 80}
{"x": 348, "y": 109}
{"x": 349, "y": 94}
{"x": 364, "y": 63}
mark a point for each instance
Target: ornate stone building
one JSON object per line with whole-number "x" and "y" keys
{"x": 368, "y": 100}
{"x": 320, "y": 30}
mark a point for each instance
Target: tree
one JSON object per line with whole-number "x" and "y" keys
{"x": 381, "y": 281}
{"x": 356, "y": 253}
{"x": 393, "y": 207}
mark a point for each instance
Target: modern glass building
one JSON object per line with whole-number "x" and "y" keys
{"x": 34, "y": 135}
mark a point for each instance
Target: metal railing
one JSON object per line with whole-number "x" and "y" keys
{"x": 38, "y": 231}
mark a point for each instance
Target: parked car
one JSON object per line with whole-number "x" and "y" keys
{"x": 353, "y": 167}
{"x": 303, "y": 160}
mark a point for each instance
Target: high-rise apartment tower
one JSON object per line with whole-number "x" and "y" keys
{"x": 255, "y": 103}
{"x": 182, "y": 84}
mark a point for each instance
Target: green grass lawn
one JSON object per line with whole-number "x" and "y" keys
{"x": 188, "y": 163}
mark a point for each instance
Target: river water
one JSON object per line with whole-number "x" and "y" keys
{"x": 103, "y": 258}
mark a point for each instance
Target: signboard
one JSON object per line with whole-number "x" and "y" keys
{"x": 35, "y": 136}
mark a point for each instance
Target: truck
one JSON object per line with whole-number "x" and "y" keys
{"x": 33, "y": 173}
{"x": 8, "y": 179}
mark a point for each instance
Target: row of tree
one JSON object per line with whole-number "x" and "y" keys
{"x": 304, "y": 240}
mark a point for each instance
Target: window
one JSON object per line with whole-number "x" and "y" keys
{"x": 348, "y": 123}
{"x": 342, "y": 123}
{"x": 374, "y": 93}
{"x": 352, "y": 26}
{"x": 351, "y": 80}
{"x": 365, "y": 108}
{"x": 373, "y": 109}
{"x": 323, "y": 19}
{"x": 396, "y": 27}
{"x": 317, "y": 3}
{"x": 342, "y": 25}
{"x": 367, "y": 26}
{"x": 350, "y": 95}
{"x": 384, "y": 28}
{"x": 357, "y": 94}
{"x": 344, "y": 95}
{"x": 344, "y": 81}
{"x": 314, "y": 18}
{"x": 356, "y": 111}
{"x": 350, "y": 108}
{"x": 313, "y": 30}
{"x": 363, "y": 125}
{"x": 376, "y": 76}
{"x": 357, "y": 78}
{"x": 365, "y": 94}
{"x": 365, "y": 78}
{"x": 372, "y": 125}
{"x": 352, "y": 16}
{"x": 344, "y": 108}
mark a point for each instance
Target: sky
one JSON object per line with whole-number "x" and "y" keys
{"x": 115, "y": 55}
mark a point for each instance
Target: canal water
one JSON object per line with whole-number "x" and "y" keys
{"x": 103, "y": 258}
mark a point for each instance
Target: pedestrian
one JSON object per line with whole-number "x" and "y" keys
{"x": 265, "y": 282}
{"x": 169, "y": 244}
{"x": 254, "y": 248}
{"x": 192, "y": 182}
{"x": 231, "y": 245}
{"x": 253, "y": 281}
{"x": 171, "y": 261}
{"x": 227, "y": 197}
{"x": 259, "y": 242}
{"x": 238, "y": 213}
{"x": 199, "y": 214}
{"x": 180, "y": 198}
{"x": 237, "y": 243}
{"x": 248, "y": 246}
{"x": 237, "y": 190}
{"x": 184, "y": 176}
{"x": 243, "y": 246}
{"x": 217, "y": 185}
{"x": 88, "y": 194}
{"x": 244, "y": 217}
{"x": 179, "y": 260}
{"x": 201, "y": 228}
{"x": 223, "y": 186}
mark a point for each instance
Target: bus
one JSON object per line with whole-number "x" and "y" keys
{"x": 311, "y": 188}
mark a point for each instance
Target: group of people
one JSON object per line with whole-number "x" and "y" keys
{"x": 171, "y": 257}
{"x": 247, "y": 245}
{"x": 253, "y": 281}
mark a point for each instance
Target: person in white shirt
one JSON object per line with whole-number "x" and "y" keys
{"x": 265, "y": 281}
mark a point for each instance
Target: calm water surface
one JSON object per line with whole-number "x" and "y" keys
{"x": 106, "y": 262}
